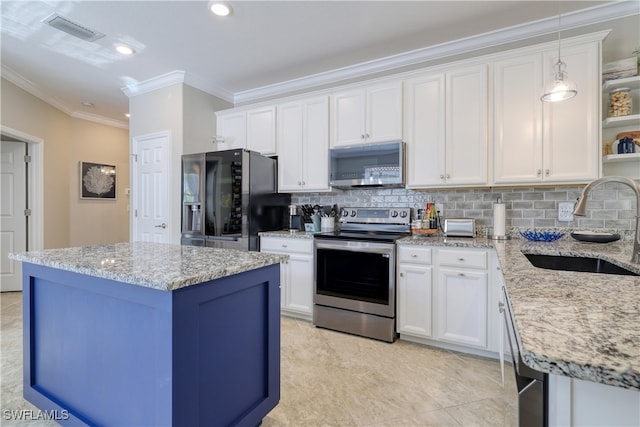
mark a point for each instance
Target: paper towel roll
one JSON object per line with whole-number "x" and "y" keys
{"x": 498, "y": 219}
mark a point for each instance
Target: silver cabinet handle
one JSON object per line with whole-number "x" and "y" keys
{"x": 163, "y": 225}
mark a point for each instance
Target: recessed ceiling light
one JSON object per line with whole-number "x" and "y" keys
{"x": 127, "y": 115}
{"x": 87, "y": 103}
{"x": 220, "y": 9}
{"x": 124, "y": 49}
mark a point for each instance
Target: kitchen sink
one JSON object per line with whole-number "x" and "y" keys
{"x": 584, "y": 264}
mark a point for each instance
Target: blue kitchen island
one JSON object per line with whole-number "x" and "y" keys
{"x": 149, "y": 334}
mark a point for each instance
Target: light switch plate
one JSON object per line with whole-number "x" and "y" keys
{"x": 565, "y": 211}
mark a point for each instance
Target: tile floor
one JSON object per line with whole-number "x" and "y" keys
{"x": 335, "y": 379}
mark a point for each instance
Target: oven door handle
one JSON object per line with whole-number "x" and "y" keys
{"x": 377, "y": 248}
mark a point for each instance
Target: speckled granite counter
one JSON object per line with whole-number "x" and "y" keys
{"x": 287, "y": 233}
{"x": 161, "y": 266}
{"x": 580, "y": 325}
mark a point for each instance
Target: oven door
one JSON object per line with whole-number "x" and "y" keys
{"x": 355, "y": 275}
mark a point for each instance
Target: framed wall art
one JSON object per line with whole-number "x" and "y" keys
{"x": 97, "y": 181}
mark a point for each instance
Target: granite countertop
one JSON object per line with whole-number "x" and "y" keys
{"x": 581, "y": 325}
{"x": 294, "y": 234}
{"x": 161, "y": 266}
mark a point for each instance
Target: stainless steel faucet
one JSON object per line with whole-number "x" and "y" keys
{"x": 582, "y": 202}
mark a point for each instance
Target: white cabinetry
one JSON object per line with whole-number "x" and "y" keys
{"x": 445, "y": 298}
{"x": 540, "y": 142}
{"x": 446, "y": 128}
{"x": 621, "y": 164}
{"x": 463, "y": 289}
{"x": 253, "y": 129}
{"x": 414, "y": 291}
{"x": 296, "y": 274}
{"x": 231, "y": 130}
{"x": 366, "y": 115}
{"x": 303, "y": 141}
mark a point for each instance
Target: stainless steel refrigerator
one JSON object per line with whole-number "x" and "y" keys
{"x": 228, "y": 197}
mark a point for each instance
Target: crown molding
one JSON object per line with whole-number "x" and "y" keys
{"x": 36, "y": 91}
{"x": 33, "y": 89}
{"x": 100, "y": 119}
{"x": 154, "y": 83}
{"x": 207, "y": 87}
{"x": 517, "y": 33}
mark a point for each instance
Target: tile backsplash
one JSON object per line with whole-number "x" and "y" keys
{"x": 611, "y": 207}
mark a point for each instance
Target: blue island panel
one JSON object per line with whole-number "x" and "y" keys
{"x": 110, "y": 353}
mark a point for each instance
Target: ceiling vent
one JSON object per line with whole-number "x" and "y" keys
{"x": 64, "y": 24}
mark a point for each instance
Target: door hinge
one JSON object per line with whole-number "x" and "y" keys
{"x": 27, "y": 212}
{"x": 135, "y": 213}
{"x": 27, "y": 158}
{"x": 135, "y": 157}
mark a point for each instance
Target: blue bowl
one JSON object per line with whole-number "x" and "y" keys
{"x": 541, "y": 236}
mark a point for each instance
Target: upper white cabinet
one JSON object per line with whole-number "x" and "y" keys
{"x": 231, "y": 130}
{"x": 253, "y": 129}
{"x": 540, "y": 142}
{"x": 303, "y": 142}
{"x": 446, "y": 128}
{"x": 367, "y": 114}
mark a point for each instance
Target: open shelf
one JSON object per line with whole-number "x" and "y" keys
{"x": 630, "y": 120}
{"x": 616, "y": 158}
{"x": 630, "y": 82}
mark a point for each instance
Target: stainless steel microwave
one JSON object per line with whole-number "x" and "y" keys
{"x": 368, "y": 165}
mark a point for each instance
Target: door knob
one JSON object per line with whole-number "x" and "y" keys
{"x": 163, "y": 225}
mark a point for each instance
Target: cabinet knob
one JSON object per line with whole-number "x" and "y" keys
{"x": 546, "y": 172}
{"x": 414, "y": 256}
{"x": 441, "y": 176}
{"x": 367, "y": 135}
{"x": 460, "y": 259}
{"x": 304, "y": 183}
{"x": 300, "y": 183}
{"x": 284, "y": 246}
{"x": 539, "y": 172}
{"x": 448, "y": 176}
{"x": 401, "y": 274}
{"x": 461, "y": 274}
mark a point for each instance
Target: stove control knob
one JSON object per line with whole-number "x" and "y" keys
{"x": 354, "y": 213}
{"x": 345, "y": 212}
{"x": 403, "y": 214}
{"x": 394, "y": 214}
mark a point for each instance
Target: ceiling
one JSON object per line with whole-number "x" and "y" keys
{"x": 264, "y": 48}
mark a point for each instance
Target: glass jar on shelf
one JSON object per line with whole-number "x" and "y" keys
{"x": 620, "y": 103}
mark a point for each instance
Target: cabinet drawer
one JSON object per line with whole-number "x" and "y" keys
{"x": 287, "y": 245}
{"x": 414, "y": 255}
{"x": 460, "y": 258}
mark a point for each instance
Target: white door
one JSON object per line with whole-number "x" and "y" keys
{"x": 150, "y": 188}
{"x": 384, "y": 112}
{"x": 13, "y": 222}
{"x": 414, "y": 300}
{"x": 315, "y": 160}
{"x": 348, "y": 117}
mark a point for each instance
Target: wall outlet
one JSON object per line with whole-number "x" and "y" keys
{"x": 439, "y": 208}
{"x": 565, "y": 211}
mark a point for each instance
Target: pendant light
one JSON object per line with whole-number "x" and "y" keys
{"x": 561, "y": 88}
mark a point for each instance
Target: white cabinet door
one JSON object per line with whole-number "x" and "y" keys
{"x": 571, "y": 128}
{"x": 517, "y": 148}
{"x": 415, "y": 300}
{"x": 367, "y": 115}
{"x": 462, "y": 306}
{"x": 466, "y": 129}
{"x": 424, "y": 130}
{"x": 290, "y": 146}
{"x": 384, "y": 112}
{"x": 303, "y": 141}
{"x": 348, "y": 117}
{"x": 298, "y": 289}
{"x": 261, "y": 130}
{"x": 231, "y": 127}
{"x": 296, "y": 274}
{"x": 315, "y": 160}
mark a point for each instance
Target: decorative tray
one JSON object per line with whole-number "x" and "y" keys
{"x": 541, "y": 236}
{"x": 595, "y": 237}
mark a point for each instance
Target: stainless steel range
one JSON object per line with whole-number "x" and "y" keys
{"x": 354, "y": 286}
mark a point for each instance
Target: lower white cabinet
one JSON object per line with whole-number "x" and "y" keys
{"x": 445, "y": 298}
{"x": 414, "y": 291}
{"x": 296, "y": 274}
